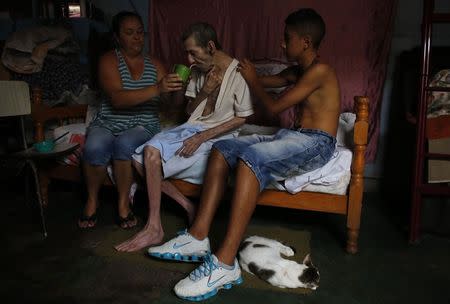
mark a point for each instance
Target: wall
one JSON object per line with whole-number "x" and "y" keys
{"x": 407, "y": 35}
{"x": 110, "y": 8}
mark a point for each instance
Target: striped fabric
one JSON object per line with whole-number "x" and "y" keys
{"x": 145, "y": 114}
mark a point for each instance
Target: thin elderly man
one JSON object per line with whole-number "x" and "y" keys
{"x": 219, "y": 102}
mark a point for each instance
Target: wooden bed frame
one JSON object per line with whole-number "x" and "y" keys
{"x": 349, "y": 204}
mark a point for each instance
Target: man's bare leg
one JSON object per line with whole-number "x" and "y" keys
{"x": 123, "y": 174}
{"x": 242, "y": 206}
{"x": 213, "y": 189}
{"x": 95, "y": 175}
{"x": 172, "y": 191}
{"x": 153, "y": 232}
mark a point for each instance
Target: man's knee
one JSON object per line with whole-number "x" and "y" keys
{"x": 97, "y": 153}
{"x": 152, "y": 156}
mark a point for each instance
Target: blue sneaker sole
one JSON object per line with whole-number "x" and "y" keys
{"x": 213, "y": 292}
{"x": 177, "y": 257}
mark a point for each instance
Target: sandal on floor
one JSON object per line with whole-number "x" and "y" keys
{"x": 88, "y": 218}
{"x": 130, "y": 220}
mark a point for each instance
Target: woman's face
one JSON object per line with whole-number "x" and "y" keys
{"x": 131, "y": 35}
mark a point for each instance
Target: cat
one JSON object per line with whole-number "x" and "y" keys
{"x": 263, "y": 257}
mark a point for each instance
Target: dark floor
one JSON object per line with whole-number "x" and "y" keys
{"x": 68, "y": 268}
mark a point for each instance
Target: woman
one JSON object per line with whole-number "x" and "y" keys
{"x": 127, "y": 118}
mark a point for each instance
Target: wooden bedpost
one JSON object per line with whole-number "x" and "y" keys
{"x": 38, "y": 125}
{"x": 357, "y": 178}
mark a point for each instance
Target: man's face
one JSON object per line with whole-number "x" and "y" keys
{"x": 198, "y": 55}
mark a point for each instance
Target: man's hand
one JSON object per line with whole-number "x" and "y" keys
{"x": 190, "y": 145}
{"x": 213, "y": 81}
{"x": 170, "y": 83}
{"x": 247, "y": 70}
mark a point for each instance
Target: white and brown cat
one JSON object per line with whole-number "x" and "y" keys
{"x": 263, "y": 257}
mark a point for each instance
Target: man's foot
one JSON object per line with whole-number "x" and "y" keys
{"x": 205, "y": 281}
{"x": 127, "y": 222}
{"x": 184, "y": 247}
{"x": 87, "y": 221}
{"x": 144, "y": 238}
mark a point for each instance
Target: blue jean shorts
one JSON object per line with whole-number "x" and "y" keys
{"x": 102, "y": 145}
{"x": 285, "y": 154}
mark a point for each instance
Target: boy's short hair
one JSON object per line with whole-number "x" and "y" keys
{"x": 203, "y": 33}
{"x": 307, "y": 21}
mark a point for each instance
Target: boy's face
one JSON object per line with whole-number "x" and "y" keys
{"x": 293, "y": 44}
{"x": 198, "y": 55}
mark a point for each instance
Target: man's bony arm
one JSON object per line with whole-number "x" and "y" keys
{"x": 221, "y": 129}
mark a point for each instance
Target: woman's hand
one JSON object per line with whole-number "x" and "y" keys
{"x": 247, "y": 70}
{"x": 170, "y": 83}
{"x": 190, "y": 145}
{"x": 212, "y": 82}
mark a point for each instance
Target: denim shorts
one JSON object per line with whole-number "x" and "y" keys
{"x": 280, "y": 156}
{"x": 102, "y": 145}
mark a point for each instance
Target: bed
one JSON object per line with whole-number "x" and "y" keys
{"x": 348, "y": 202}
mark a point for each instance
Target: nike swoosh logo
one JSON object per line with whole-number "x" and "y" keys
{"x": 210, "y": 284}
{"x": 176, "y": 246}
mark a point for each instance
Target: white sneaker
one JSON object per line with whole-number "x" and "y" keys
{"x": 184, "y": 247}
{"x": 205, "y": 281}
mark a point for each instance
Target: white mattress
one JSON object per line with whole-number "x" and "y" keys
{"x": 332, "y": 178}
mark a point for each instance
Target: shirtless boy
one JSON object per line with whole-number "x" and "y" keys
{"x": 260, "y": 159}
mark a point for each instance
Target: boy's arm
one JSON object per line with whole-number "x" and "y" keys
{"x": 286, "y": 77}
{"x": 310, "y": 81}
{"x": 191, "y": 144}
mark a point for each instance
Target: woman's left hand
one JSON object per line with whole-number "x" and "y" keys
{"x": 170, "y": 83}
{"x": 247, "y": 70}
{"x": 190, "y": 145}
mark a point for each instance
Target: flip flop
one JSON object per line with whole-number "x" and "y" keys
{"x": 126, "y": 220}
{"x": 88, "y": 218}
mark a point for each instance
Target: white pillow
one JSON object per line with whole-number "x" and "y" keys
{"x": 344, "y": 136}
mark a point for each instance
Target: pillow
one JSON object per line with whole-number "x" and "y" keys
{"x": 344, "y": 136}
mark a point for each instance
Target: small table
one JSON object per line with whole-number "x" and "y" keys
{"x": 31, "y": 156}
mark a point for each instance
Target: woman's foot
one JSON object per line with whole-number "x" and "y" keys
{"x": 88, "y": 218}
{"x": 146, "y": 237}
{"x": 127, "y": 222}
{"x": 87, "y": 221}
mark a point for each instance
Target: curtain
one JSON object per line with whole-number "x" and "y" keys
{"x": 356, "y": 42}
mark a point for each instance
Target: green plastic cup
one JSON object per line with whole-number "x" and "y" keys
{"x": 182, "y": 71}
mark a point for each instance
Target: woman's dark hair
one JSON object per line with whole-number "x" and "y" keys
{"x": 307, "y": 21}
{"x": 202, "y": 33}
{"x": 120, "y": 17}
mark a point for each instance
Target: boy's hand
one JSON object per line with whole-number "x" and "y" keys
{"x": 212, "y": 82}
{"x": 247, "y": 70}
{"x": 170, "y": 83}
